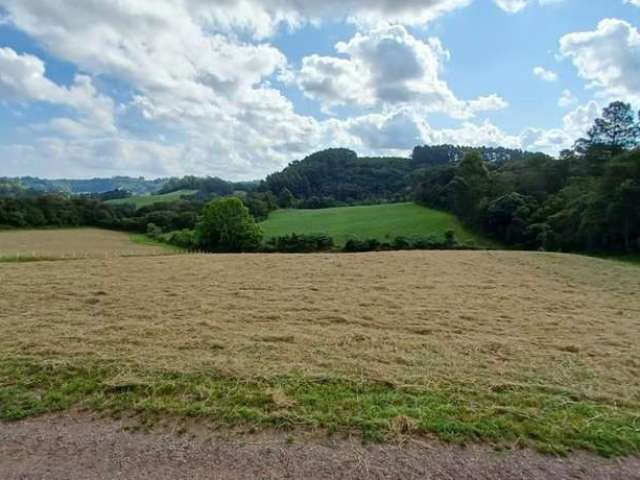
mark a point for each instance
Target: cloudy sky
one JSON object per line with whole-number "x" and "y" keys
{"x": 238, "y": 88}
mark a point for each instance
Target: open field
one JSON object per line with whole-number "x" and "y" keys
{"x": 382, "y": 222}
{"x": 77, "y": 242}
{"x": 513, "y": 348}
{"x": 145, "y": 200}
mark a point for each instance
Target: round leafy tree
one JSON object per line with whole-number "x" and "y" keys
{"x": 227, "y": 226}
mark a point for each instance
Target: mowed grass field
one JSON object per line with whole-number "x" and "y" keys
{"x": 23, "y": 245}
{"x": 382, "y": 222}
{"x": 517, "y": 349}
{"x": 146, "y": 200}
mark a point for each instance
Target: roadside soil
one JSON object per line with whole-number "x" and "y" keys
{"x": 80, "y": 446}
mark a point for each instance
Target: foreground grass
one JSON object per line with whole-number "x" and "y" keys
{"x": 146, "y": 200}
{"x": 551, "y": 421}
{"x": 517, "y": 349}
{"x": 382, "y": 222}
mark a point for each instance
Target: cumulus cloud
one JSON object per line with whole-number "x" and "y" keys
{"x": 515, "y": 6}
{"x": 608, "y": 58}
{"x": 210, "y": 90}
{"x": 544, "y": 74}
{"x": 22, "y": 77}
{"x": 567, "y": 98}
{"x": 512, "y": 6}
{"x": 387, "y": 66}
{"x": 205, "y": 74}
{"x": 259, "y": 17}
{"x": 575, "y": 125}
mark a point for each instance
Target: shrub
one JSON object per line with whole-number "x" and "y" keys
{"x": 370, "y": 245}
{"x": 182, "y": 238}
{"x": 153, "y": 231}
{"x": 296, "y": 243}
{"x": 405, "y": 243}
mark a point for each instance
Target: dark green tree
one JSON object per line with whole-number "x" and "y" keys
{"x": 469, "y": 189}
{"x": 286, "y": 198}
{"x": 617, "y": 130}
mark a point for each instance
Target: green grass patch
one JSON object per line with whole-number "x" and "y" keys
{"x": 550, "y": 420}
{"x": 142, "y": 239}
{"x": 146, "y": 200}
{"x": 381, "y": 222}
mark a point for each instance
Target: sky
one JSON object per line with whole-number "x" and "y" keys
{"x": 240, "y": 88}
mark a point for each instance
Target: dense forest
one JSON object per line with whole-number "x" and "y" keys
{"x": 588, "y": 199}
{"x": 338, "y": 176}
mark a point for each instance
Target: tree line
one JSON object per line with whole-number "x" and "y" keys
{"x": 587, "y": 200}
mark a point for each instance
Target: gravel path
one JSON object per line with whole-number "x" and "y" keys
{"x": 77, "y": 446}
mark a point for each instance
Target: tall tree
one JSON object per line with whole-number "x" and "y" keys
{"x": 617, "y": 130}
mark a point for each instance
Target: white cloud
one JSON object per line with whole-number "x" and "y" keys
{"x": 608, "y": 58}
{"x": 575, "y": 125}
{"x": 578, "y": 122}
{"x": 209, "y": 90}
{"x": 387, "y": 66}
{"x": 203, "y": 73}
{"x": 260, "y": 17}
{"x": 512, "y": 6}
{"x": 515, "y": 6}
{"x": 22, "y": 78}
{"x": 567, "y": 98}
{"x": 544, "y": 74}
{"x": 633, "y": 2}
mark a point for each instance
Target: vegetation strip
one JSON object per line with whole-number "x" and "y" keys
{"x": 547, "y": 419}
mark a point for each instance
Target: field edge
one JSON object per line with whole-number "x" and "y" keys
{"x": 548, "y": 419}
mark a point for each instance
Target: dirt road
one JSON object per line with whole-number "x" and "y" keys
{"x": 77, "y": 446}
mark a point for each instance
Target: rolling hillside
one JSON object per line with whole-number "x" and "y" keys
{"x": 145, "y": 200}
{"x": 383, "y": 222}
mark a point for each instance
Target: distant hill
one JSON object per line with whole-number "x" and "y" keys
{"x": 145, "y": 200}
{"x": 138, "y": 186}
{"x": 331, "y": 175}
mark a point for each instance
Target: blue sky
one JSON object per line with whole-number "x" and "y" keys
{"x": 239, "y": 88}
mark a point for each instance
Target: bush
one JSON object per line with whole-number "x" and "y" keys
{"x": 370, "y": 245}
{"x": 405, "y": 243}
{"x": 318, "y": 203}
{"x": 182, "y": 238}
{"x": 295, "y": 243}
{"x": 153, "y": 231}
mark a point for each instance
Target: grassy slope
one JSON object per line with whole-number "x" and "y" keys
{"x": 145, "y": 200}
{"x": 383, "y": 222}
{"x": 142, "y": 239}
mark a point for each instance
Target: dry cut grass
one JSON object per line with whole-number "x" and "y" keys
{"x": 407, "y": 318}
{"x": 70, "y": 243}
{"x": 491, "y": 344}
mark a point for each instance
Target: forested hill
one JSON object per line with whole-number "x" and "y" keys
{"x": 340, "y": 175}
{"x": 327, "y": 176}
{"x": 139, "y": 186}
